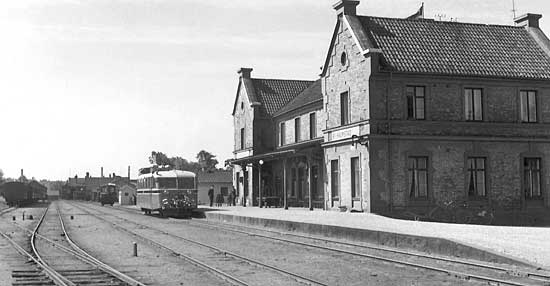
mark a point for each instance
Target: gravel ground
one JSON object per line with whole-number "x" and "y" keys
{"x": 528, "y": 243}
{"x": 152, "y": 267}
{"x": 326, "y": 266}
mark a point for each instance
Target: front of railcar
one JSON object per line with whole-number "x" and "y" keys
{"x": 178, "y": 193}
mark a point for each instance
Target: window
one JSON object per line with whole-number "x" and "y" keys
{"x": 343, "y": 59}
{"x": 186, "y": 183}
{"x": 415, "y": 102}
{"x": 242, "y": 105}
{"x": 283, "y": 133}
{"x": 531, "y": 177}
{"x": 473, "y": 104}
{"x": 528, "y": 106}
{"x": 476, "y": 177}
{"x": 334, "y": 179}
{"x": 297, "y": 129}
{"x": 355, "y": 177}
{"x": 312, "y": 126}
{"x": 242, "y": 138}
{"x": 418, "y": 177}
{"x": 166, "y": 183}
{"x": 344, "y": 108}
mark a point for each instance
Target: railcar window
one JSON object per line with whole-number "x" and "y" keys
{"x": 167, "y": 183}
{"x": 186, "y": 183}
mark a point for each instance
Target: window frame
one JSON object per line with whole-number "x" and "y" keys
{"x": 413, "y": 178}
{"x": 473, "y": 102}
{"x": 335, "y": 180}
{"x": 297, "y": 129}
{"x": 540, "y": 174}
{"x": 344, "y": 108}
{"x": 312, "y": 125}
{"x": 355, "y": 171}
{"x": 525, "y": 106}
{"x": 412, "y": 101}
{"x": 474, "y": 173}
{"x": 282, "y": 133}
{"x": 242, "y": 138}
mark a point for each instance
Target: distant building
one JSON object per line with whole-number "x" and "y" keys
{"x": 87, "y": 188}
{"x": 221, "y": 180}
{"x": 127, "y": 194}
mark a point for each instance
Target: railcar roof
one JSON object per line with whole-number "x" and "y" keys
{"x": 169, "y": 174}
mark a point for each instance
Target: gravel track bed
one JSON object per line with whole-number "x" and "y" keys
{"x": 114, "y": 247}
{"x": 239, "y": 229}
{"x": 247, "y": 272}
{"x": 326, "y": 266}
{"x": 10, "y": 259}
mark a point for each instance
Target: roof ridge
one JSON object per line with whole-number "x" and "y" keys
{"x": 280, "y": 79}
{"x": 442, "y": 22}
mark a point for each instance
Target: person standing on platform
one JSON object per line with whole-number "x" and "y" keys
{"x": 233, "y": 196}
{"x": 211, "y": 194}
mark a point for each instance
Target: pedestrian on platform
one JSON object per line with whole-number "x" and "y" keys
{"x": 229, "y": 199}
{"x": 219, "y": 200}
{"x": 233, "y": 196}
{"x": 211, "y": 194}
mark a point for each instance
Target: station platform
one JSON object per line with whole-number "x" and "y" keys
{"x": 501, "y": 244}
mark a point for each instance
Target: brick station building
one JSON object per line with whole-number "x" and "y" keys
{"x": 410, "y": 112}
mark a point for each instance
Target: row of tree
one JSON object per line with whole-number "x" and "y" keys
{"x": 206, "y": 161}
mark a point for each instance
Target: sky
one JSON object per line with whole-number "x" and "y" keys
{"x": 102, "y": 83}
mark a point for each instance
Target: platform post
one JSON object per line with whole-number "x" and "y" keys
{"x": 284, "y": 184}
{"x": 309, "y": 181}
{"x": 135, "y": 249}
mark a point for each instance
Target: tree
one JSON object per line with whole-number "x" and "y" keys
{"x": 1, "y": 176}
{"x": 207, "y": 161}
{"x": 160, "y": 159}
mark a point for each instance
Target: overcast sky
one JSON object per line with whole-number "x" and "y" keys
{"x": 85, "y": 84}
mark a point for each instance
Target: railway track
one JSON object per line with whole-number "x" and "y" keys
{"x": 463, "y": 269}
{"x": 321, "y": 243}
{"x": 223, "y": 261}
{"x": 60, "y": 261}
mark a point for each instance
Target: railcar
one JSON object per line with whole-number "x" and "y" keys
{"x": 166, "y": 191}
{"x": 108, "y": 194}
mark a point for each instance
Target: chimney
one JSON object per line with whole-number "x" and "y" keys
{"x": 346, "y": 7}
{"x": 528, "y": 20}
{"x": 102, "y": 172}
{"x": 21, "y": 172}
{"x": 244, "y": 72}
{"x": 87, "y": 175}
{"x": 128, "y": 173}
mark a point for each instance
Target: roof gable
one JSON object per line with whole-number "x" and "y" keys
{"x": 310, "y": 95}
{"x": 451, "y": 48}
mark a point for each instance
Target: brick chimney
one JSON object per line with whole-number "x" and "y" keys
{"x": 346, "y": 7}
{"x": 244, "y": 72}
{"x": 528, "y": 20}
{"x": 102, "y": 172}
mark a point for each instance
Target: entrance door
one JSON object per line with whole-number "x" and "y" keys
{"x": 314, "y": 178}
{"x": 301, "y": 184}
{"x": 245, "y": 187}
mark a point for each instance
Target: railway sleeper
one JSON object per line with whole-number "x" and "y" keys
{"x": 517, "y": 273}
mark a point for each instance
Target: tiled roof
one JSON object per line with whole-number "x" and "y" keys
{"x": 451, "y": 48}
{"x": 311, "y": 94}
{"x": 215, "y": 177}
{"x": 275, "y": 93}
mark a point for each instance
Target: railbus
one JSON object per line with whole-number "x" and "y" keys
{"x": 166, "y": 191}
{"x": 108, "y": 194}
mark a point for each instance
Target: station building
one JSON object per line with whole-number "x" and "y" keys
{"x": 411, "y": 112}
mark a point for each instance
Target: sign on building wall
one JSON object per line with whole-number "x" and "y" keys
{"x": 343, "y": 133}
